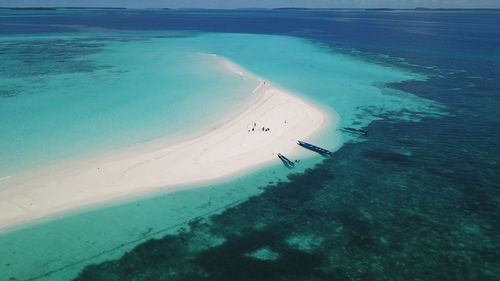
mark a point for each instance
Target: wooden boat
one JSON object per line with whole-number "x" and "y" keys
{"x": 314, "y": 148}
{"x": 286, "y": 161}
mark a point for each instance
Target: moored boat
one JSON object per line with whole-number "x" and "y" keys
{"x": 286, "y": 161}
{"x": 314, "y": 148}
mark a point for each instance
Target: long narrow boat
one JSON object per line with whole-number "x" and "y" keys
{"x": 314, "y": 148}
{"x": 354, "y": 130}
{"x": 286, "y": 161}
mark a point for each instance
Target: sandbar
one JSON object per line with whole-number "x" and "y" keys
{"x": 238, "y": 145}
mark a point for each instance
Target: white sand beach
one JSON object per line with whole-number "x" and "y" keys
{"x": 238, "y": 145}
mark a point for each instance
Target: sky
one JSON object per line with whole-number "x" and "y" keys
{"x": 230, "y": 4}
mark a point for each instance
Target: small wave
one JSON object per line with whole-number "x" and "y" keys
{"x": 4, "y": 178}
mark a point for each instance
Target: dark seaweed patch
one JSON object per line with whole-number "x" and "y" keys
{"x": 388, "y": 156}
{"x": 46, "y": 57}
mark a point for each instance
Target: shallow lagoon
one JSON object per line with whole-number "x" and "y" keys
{"x": 80, "y": 95}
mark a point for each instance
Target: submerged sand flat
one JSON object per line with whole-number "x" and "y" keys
{"x": 231, "y": 148}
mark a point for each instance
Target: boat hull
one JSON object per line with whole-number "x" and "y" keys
{"x": 315, "y": 148}
{"x": 286, "y": 161}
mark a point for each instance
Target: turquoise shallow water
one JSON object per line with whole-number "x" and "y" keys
{"x": 81, "y": 95}
{"x": 140, "y": 86}
{"x": 93, "y": 95}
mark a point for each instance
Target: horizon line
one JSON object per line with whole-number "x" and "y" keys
{"x": 243, "y": 8}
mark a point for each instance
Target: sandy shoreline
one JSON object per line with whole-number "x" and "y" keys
{"x": 236, "y": 146}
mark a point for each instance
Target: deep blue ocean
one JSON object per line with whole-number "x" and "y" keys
{"x": 412, "y": 201}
